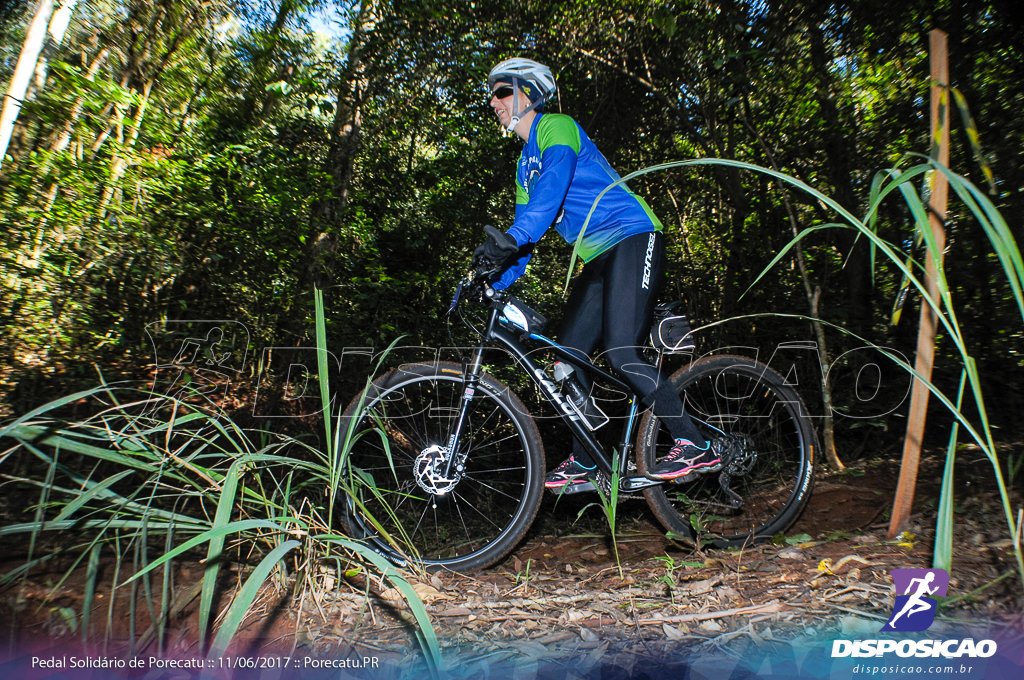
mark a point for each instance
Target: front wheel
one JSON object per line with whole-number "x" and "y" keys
{"x": 762, "y": 429}
{"x": 412, "y": 497}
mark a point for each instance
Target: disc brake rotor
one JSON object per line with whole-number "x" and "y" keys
{"x": 428, "y": 471}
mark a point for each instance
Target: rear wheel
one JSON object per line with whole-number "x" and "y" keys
{"x": 412, "y": 497}
{"x": 764, "y": 432}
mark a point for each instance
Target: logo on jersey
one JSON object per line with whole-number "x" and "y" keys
{"x": 532, "y": 180}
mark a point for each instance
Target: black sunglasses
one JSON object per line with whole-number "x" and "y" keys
{"x": 503, "y": 92}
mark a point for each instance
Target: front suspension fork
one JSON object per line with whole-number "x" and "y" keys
{"x": 471, "y": 371}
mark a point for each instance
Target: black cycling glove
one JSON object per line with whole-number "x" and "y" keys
{"x": 498, "y": 248}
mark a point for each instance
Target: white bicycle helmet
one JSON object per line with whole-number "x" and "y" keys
{"x": 533, "y": 78}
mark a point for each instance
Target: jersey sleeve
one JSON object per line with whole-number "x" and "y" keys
{"x": 539, "y": 202}
{"x": 509, "y": 276}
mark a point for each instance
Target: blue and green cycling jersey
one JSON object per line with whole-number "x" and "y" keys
{"x": 559, "y": 176}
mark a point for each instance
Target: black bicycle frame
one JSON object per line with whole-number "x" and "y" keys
{"x": 510, "y": 340}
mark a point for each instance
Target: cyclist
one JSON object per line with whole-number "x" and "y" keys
{"x": 560, "y": 174}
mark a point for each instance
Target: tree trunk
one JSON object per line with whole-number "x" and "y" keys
{"x": 60, "y": 144}
{"x": 56, "y": 29}
{"x": 64, "y": 138}
{"x": 118, "y": 164}
{"x": 813, "y": 293}
{"x": 255, "y": 103}
{"x": 345, "y": 140}
{"x": 35, "y": 38}
{"x": 838, "y": 169}
{"x": 347, "y": 125}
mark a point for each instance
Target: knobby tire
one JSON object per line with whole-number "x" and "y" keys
{"x": 755, "y": 408}
{"x": 400, "y": 503}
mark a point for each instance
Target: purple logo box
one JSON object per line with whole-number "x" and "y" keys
{"x": 914, "y": 608}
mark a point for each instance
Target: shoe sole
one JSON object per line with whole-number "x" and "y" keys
{"x": 701, "y": 468}
{"x": 564, "y": 483}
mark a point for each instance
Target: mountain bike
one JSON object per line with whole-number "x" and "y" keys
{"x": 447, "y": 463}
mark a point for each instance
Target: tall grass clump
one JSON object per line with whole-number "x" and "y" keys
{"x": 155, "y": 482}
{"x": 969, "y": 398}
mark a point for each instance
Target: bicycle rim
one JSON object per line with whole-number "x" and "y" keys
{"x": 750, "y": 406}
{"x": 401, "y": 500}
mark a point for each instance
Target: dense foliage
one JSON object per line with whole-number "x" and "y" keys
{"x": 206, "y": 161}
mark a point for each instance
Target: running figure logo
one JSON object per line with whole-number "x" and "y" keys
{"x": 914, "y": 609}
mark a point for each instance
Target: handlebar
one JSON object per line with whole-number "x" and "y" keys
{"x": 490, "y": 261}
{"x": 476, "y": 285}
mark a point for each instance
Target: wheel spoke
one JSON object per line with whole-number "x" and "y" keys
{"x": 456, "y": 507}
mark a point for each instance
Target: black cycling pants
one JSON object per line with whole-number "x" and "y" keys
{"x": 611, "y": 304}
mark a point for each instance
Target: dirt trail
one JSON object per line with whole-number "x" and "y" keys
{"x": 561, "y": 595}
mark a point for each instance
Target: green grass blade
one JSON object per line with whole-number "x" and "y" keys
{"x": 53, "y": 405}
{"x": 91, "y": 575}
{"x": 93, "y": 489}
{"x": 803, "y": 186}
{"x": 73, "y": 525}
{"x": 322, "y": 368}
{"x": 943, "y": 554}
{"x": 975, "y": 139}
{"x": 212, "y": 534}
{"x": 998, "y": 232}
{"x": 45, "y": 437}
{"x": 428, "y": 640}
{"x": 23, "y": 569}
{"x": 246, "y": 595}
{"x": 225, "y": 507}
{"x": 165, "y": 586}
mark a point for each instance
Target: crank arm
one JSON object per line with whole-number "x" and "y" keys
{"x": 638, "y": 483}
{"x": 572, "y": 489}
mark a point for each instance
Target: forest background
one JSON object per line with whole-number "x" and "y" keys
{"x": 182, "y": 161}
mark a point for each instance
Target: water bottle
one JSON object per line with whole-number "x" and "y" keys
{"x": 581, "y": 402}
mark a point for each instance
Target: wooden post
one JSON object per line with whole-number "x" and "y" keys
{"x": 940, "y": 100}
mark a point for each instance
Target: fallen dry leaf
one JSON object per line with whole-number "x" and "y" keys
{"x": 429, "y": 593}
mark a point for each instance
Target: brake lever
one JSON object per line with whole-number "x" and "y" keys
{"x": 476, "y": 284}
{"x": 455, "y": 299}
